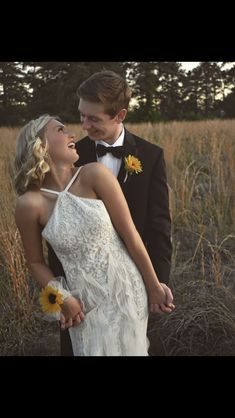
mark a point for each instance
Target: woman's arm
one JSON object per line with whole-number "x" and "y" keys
{"x": 107, "y": 188}
{"x": 27, "y": 216}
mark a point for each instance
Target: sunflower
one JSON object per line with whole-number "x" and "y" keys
{"x": 133, "y": 165}
{"x": 50, "y": 300}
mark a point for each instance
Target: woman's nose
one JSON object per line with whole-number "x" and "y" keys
{"x": 72, "y": 135}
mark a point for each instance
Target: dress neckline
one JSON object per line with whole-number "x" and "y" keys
{"x": 66, "y": 188}
{"x": 77, "y": 198}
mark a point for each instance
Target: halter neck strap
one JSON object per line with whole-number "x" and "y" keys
{"x": 67, "y": 187}
{"x": 72, "y": 179}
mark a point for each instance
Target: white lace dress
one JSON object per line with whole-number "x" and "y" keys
{"x": 100, "y": 271}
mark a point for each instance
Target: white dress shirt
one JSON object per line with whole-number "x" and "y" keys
{"x": 108, "y": 159}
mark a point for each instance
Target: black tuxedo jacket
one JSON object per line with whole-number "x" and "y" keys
{"x": 146, "y": 194}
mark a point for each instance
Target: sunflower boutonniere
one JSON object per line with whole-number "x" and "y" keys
{"x": 132, "y": 165}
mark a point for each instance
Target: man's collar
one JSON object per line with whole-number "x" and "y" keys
{"x": 118, "y": 143}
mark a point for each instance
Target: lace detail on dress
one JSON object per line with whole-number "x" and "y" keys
{"x": 99, "y": 271}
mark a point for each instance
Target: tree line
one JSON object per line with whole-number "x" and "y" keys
{"x": 162, "y": 91}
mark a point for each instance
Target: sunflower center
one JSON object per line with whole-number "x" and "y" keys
{"x": 52, "y": 298}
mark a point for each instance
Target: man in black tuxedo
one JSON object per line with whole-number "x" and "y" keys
{"x": 103, "y": 102}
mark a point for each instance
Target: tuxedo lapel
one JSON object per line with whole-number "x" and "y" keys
{"x": 129, "y": 149}
{"x": 93, "y": 152}
{"x": 87, "y": 151}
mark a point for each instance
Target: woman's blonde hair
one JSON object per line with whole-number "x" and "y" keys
{"x": 31, "y": 153}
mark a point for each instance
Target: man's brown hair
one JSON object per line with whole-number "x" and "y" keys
{"x": 108, "y": 88}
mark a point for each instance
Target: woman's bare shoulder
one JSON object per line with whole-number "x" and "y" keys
{"x": 95, "y": 168}
{"x": 30, "y": 200}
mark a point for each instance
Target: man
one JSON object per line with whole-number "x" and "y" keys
{"x": 139, "y": 166}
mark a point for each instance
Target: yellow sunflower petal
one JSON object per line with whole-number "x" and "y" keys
{"x": 133, "y": 165}
{"x": 50, "y": 300}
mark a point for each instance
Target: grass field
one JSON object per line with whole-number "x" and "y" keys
{"x": 200, "y": 158}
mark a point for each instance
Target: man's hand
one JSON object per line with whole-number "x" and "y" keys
{"x": 169, "y": 296}
{"x": 160, "y": 299}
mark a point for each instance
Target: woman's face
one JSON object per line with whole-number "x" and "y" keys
{"x": 61, "y": 144}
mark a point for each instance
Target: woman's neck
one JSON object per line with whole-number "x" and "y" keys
{"x": 58, "y": 177}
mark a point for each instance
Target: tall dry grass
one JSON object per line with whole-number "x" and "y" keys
{"x": 200, "y": 159}
{"x": 18, "y": 317}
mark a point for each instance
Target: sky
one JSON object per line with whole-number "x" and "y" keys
{"x": 188, "y": 66}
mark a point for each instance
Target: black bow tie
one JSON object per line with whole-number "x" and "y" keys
{"x": 117, "y": 152}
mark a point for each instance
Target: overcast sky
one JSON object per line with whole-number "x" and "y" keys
{"x": 189, "y": 65}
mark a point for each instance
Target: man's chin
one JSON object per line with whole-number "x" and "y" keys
{"x": 94, "y": 137}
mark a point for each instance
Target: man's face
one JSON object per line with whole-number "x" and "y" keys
{"x": 96, "y": 122}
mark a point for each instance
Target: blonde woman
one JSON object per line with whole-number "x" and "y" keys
{"x": 82, "y": 213}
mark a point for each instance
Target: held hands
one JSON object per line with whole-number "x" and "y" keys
{"x": 72, "y": 313}
{"x": 160, "y": 299}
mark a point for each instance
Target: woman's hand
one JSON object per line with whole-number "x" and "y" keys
{"x": 72, "y": 313}
{"x": 160, "y": 299}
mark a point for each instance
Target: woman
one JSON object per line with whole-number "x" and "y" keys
{"x": 84, "y": 216}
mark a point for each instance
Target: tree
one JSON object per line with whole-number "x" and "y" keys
{"x": 169, "y": 90}
{"x": 13, "y": 93}
{"x": 161, "y": 90}
{"x": 54, "y": 86}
